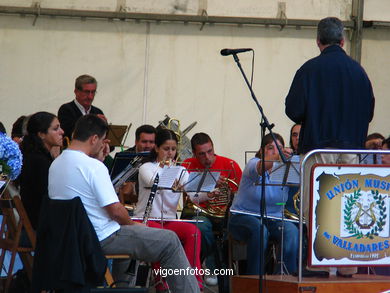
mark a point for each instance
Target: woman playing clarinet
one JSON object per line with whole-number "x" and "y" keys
{"x": 165, "y": 202}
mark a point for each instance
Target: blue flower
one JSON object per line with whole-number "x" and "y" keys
{"x": 10, "y": 157}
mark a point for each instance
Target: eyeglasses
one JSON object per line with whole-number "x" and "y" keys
{"x": 88, "y": 92}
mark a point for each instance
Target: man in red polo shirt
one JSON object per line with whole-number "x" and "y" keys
{"x": 205, "y": 158}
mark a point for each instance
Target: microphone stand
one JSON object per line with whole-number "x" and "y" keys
{"x": 264, "y": 125}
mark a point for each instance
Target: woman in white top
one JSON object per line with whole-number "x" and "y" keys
{"x": 166, "y": 200}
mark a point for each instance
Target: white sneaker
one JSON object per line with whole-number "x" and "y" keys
{"x": 211, "y": 280}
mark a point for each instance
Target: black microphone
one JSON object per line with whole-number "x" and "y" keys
{"x": 227, "y": 52}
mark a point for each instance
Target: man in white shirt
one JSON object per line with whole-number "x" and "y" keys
{"x": 77, "y": 172}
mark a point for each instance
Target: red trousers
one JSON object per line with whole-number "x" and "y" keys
{"x": 186, "y": 233}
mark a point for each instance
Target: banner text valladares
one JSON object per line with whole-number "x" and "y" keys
{"x": 163, "y": 272}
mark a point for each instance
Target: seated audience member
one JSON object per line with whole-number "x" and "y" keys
{"x": 77, "y": 172}
{"x": 17, "y": 131}
{"x": 43, "y": 133}
{"x": 2, "y": 128}
{"x": 244, "y": 227}
{"x": 165, "y": 201}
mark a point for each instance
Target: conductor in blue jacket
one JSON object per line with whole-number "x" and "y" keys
{"x": 332, "y": 97}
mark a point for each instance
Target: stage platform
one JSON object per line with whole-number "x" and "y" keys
{"x": 333, "y": 284}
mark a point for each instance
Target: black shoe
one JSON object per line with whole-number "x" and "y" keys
{"x": 338, "y": 274}
{"x": 309, "y": 274}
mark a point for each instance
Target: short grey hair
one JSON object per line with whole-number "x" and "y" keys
{"x": 84, "y": 79}
{"x": 330, "y": 31}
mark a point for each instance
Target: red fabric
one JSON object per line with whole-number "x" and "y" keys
{"x": 186, "y": 233}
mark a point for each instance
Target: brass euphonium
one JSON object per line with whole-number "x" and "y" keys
{"x": 216, "y": 206}
{"x": 290, "y": 215}
{"x": 184, "y": 150}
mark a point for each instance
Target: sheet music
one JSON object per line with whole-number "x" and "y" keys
{"x": 278, "y": 172}
{"x": 169, "y": 175}
{"x": 208, "y": 185}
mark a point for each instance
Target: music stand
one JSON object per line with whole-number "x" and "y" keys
{"x": 116, "y": 134}
{"x": 206, "y": 183}
{"x": 201, "y": 181}
{"x": 286, "y": 173}
{"x": 123, "y": 161}
{"x": 370, "y": 159}
{"x": 283, "y": 174}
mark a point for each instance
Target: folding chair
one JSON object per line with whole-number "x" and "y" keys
{"x": 15, "y": 222}
{"x": 68, "y": 255}
{"x": 108, "y": 276}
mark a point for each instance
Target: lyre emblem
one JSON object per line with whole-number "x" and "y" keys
{"x": 365, "y": 217}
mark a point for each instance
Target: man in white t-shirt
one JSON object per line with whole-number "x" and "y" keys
{"x": 77, "y": 172}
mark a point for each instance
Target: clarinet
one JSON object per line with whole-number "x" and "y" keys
{"x": 149, "y": 205}
{"x": 134, "y": 264}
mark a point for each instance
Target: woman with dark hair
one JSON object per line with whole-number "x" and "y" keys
{"x": 43, "y": 134}
{"x": 244, "y": 223}
{"x": 2, "y": 128}
{"x": 294, "y": 138}
{"x": 293, "y": 150}
{"x": 17, "y": 131}
{"x": 166, "y": 200}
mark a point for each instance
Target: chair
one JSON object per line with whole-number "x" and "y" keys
{"x": 68, "y": 255}
{"x": 108, "y": 276}
{"x": 141, "y": 278}
{"x": 14, "y": 224}
{"x": 237, "y": 253}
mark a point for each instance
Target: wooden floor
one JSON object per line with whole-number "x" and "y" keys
{"x": 333, "y": 284}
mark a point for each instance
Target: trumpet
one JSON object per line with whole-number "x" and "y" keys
{"x": 172, "y": 163}
{"x": 168, "y": 163}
